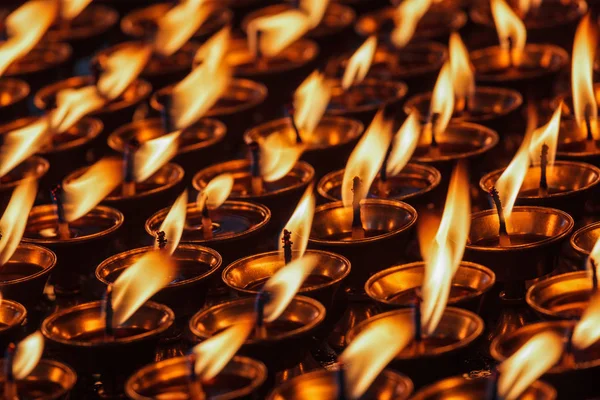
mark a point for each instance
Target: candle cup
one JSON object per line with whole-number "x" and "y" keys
{"x": 281, "y": 196}
{"x": 77, "y": 336}
{"x": 33, "y": 167}
{"x": 583, "y": 241}
{"x": 323, "y": 385}
{"x": 13, "y": 99}
{"x": 290, "y": 334}
{"x": 93, "y": 239}
{"x": 49, "y": 380}
{"x": 564, "y": 296}
{"x": 396, "y": 287}
{"x": 328, "y": 147}
{"x": 416, "y": 185}
{"x": 454, "y": 338}
{"x": 570, "y": 185}
{"x": 572, "y": 143}
{"x": 478, "y": 388}
{"x": 569, "y": 380}
{"x": 12, "y": 322}
{"x": 242, "y": 378}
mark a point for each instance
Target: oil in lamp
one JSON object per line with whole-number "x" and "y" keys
{"x": 529, "y": 68}
{"x": 123, "y": 326}
{"x": 26, "y": 375}
{"x": 210, "y": 370}
{"x": 361, "y": 370}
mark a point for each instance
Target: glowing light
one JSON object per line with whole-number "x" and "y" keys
{"x": 14, "y": 219}
{"x": 28, "y": 354}
{"x": 408, "y": 15}
{"x": 511, "y": 31}
{"x": 174, "y": 223}
{"x": 360, "y": 62}
{"x": 300, "y": 223}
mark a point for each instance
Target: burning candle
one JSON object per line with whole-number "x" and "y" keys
{"x": 12, "y": 322}
{"x": 33, "y": 167}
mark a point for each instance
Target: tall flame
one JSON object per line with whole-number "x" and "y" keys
{"x": 153, "y": 154}
{"x": 404, "y": 144}
{"x": 28, "y": 354}
{"x": 310, "y": 102}
{"x": 315, "y": 11}
{"x": 69, "y": 9}
{"x": 25, "y": 28}
{"x": 367, "y": 157}
{"x": 511, "y": 31}
{"x": 22, "y": 143}
{"x": 546, "y": 135}
{"x": 300, "y": 222}
{"x": 587, "y": 330}
{"x": 530, "y": 362}
{"x": 442, "y": 100}
{"x": 284, "y": 284}
{"x": 72, "y": 105}
{"x": 13, "y": 221}
{"x": 174, "y": 223}
{"x": 84, "y": 193}
{"x": 463, "y": 77}
{"x": 216, "y": 192}
{"x": 408, "y": 15}
{"x": 276, "y": 32}
{"x": 360, "y": 62}
{"x": 371, "y": 351}
{"x": 582, "y": 73}
{"x": 278, "y": 157}
{"x": 214, "y": 50}
{"x": 150, "y": 273}
{"x": 121, "y": 68}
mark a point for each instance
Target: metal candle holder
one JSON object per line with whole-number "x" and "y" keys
{"x": 564, "y": 296}
{"x": 48, "y": 380}
{"x": 12, "y": 322}
{"x": 573, "y": 144}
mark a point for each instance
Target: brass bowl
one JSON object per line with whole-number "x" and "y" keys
{"x": 93, "y": 21}
{"x": 33, "y": 167}
{"x": 49, "y": 380}
{"x": 13, "y": 95}
{"x": 572, "y": 143}
{"x": 12, "y": 322}
{"x": 564, "y": 296}
{"x": 584, "y": 239}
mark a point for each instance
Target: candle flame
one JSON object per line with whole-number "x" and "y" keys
{"x": 284, "y": 284}
{"x": 314, "y": 10}
{"x": 310, "y": 102}
{"x": 150, "y": 273}
{"x": 371, "y": 351}
{"x": 446, "y": 249}
{"x": 214, "y": 50}
{"x": 121, "y": 67}
{"x": 278, "y": 156}
{"x": 360, "y": 62}
{"x": 85, "y": 192}
{"x": 463, "y": 77}
{"x": 300, "y": 223}
{"x": 595, "y": 257}
{"x": 14, "y": 219}
{"x": 525, "y": 6}
{"x": 72, "y": 105}
{"x": 22, "y": 143}
{"x": 404, "y": 144}
{"x": 216, "y": 191}
{"x": 277, "y": 32}
{"x": 174, "y": 223}
{"x": 25, "y": 27}
{"x": 546, "y": 135}
{"x": 442, "y": 102}
{"x": 367, "y": 157}
{"x": 27, "y": 355}
{"x": 582, "y": 74}
{"x": 587, "y": 330}
{"x": 153, "y": 154}
{"x": 69, "y": 9}
{"x": 510, "y": 29}
{"x": 530, "y": 362}
{"x": 407, "y": 17}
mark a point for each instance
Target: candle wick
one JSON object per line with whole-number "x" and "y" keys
{"x": 594, "y": 274}
{"x": 511, "y": 60}
{"x": 259, "y": 59}
{"x": 431, "y": 124}
{"x": 108, "y": 313}
{"x": 96, "y": 70}
{"x": 10, "y": 386}
{"x": 569, "y": 355}
{"x": 289, "y": 112}
{"x": 417, "y": 316}
{"x": 257, "y": 182}
{"x": 161, "y": 239}
{"x": 287, "y": 246}
{"x": 492, "y": 389}
{"x": 131, "y": 147}
{"x": 165, "y": 114}
{"x": 63, "y": 226}
{"x": 207, "y": 232}
{"x": 383, "y": 184}
{"x": 341, "y": 381}
{"x": 502, "y": 232}
{"x": 358, "y": 232}
{"x": 262, "y": 298}
{"x": 543, "y": 189}
{"x": 590, "y": 142}
{"x": 195, "y": 386}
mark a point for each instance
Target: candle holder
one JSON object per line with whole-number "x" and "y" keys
{"x": 49, "y": 380}
{"x": 92, "y": 239}
{"x": 570, "y": 184}
{"x": 570, "y": 380}
{"x": 416, "y": 185}
{"x": 33, "y": 167}
{"x": 323, "y": 385}
{"x": 281, "y": 196}
{"x": 564, "y": 296}
{"x": 454, "y": 338}
{"x": 328, "y": 146}
{"x": 241, "y": 378}
{"x": 396, "y": 287}
{"x": 478, "y": 388}
{"x": 12, "y": 322}
{"x": 583, "y": 240}
{"x": 573, "y": 144}
{"x": 77, "y": 336}
{"x": 13, "y": 99}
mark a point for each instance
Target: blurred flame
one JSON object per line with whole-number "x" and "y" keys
{"x": 213, "y": 354}
{"x": 300, "y": 222}
{"x": 530, "y": 362}
{"x": 276, "y": 32}
{"x": 22, "y": 143}
{"x": 595, "y": 256}
{"x": 28, "y": 354}
{"x": 367, "y": 157}
{"x": 510, "y": 28}
{"x": 14, "y": 219}
{"x": 174, "y": 223}
{"x": 446, "y": 249}
{"x": 85, "y": 192}
{"x": 442, "y": 101}
{"x": 404, "y": 144}
{"x": 284, "y": 284}
{"x": 548, "y": 135}
{"x": 149, "y": 274}
{"x": 214, "y": 50}
{"x": 408, "y": 15}
{"x": 278, "y": 157}
{"x": 587, "y": 330}
{"x": 153, "y": 154}
{"x": 122, "y": 67}
{"x": 582, "y": 73}
{"x": 216, "y": 192}
{"x": 69, "y": 9}
{"x": 314, "y": 10}
{"x": 371, "y": 351}
{"x": 72, "y": 105}
{"x": 25, "y": 27}
{"x": 360, "y": 62}
{"x": 525, "y": 6}
{"x": 310, "y": 102}
{"x": 463, "y": 77}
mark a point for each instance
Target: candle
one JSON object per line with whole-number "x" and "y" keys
{"x": 33, "y": 167}
{"x": 12, "y": 322}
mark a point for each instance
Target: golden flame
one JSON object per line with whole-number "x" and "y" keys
{"x": 463, "y": 77}
{"x": 150, "y": 273}
{"x": 404, "y": 144}
{"x": 595, "y": 257}
{"x": 360, "y": 62}
{"x": 276, "y": 32}
{"x": 446, "y": 249}
{"x": 371, "y": 351}
{"x": 72, "y": 105}
{"x": 174, "y": 223}
{"x": 546, "y": 135}
{"x": 442, "y": 102}
{"x": 408, "y": 15}
{"x": 25, "y": 28}
{"x": 13, "y": 221}
{"x": 214, "y": 50}
{"x": 69, "y": 9}
{"x": 367, "y": 157}
{"x": 582, "y": 73}
{"x": 22, "y": 143}
{"x": 85, "y": 192}
{"x": 284, "y": 284}
{"x": 121, "y": 68}
{"x": 310, "y": 102}
{"x": 524, "y": 6}
{"x": 300, "y": 223}
{"x": 511, "y": 31}
{"x": 587, "y": 330}
{"x": 213, "y": 354}
{"x": 28, "y": 354}
{"x": 530, "y": 362}
{"x": 216, "y": 192}
{"x": 314, "y": 10}
{"x": 153, "y": 154}
{"x": 278, "y": 157}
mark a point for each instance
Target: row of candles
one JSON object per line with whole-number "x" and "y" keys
{"x": 366, "y": 225}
